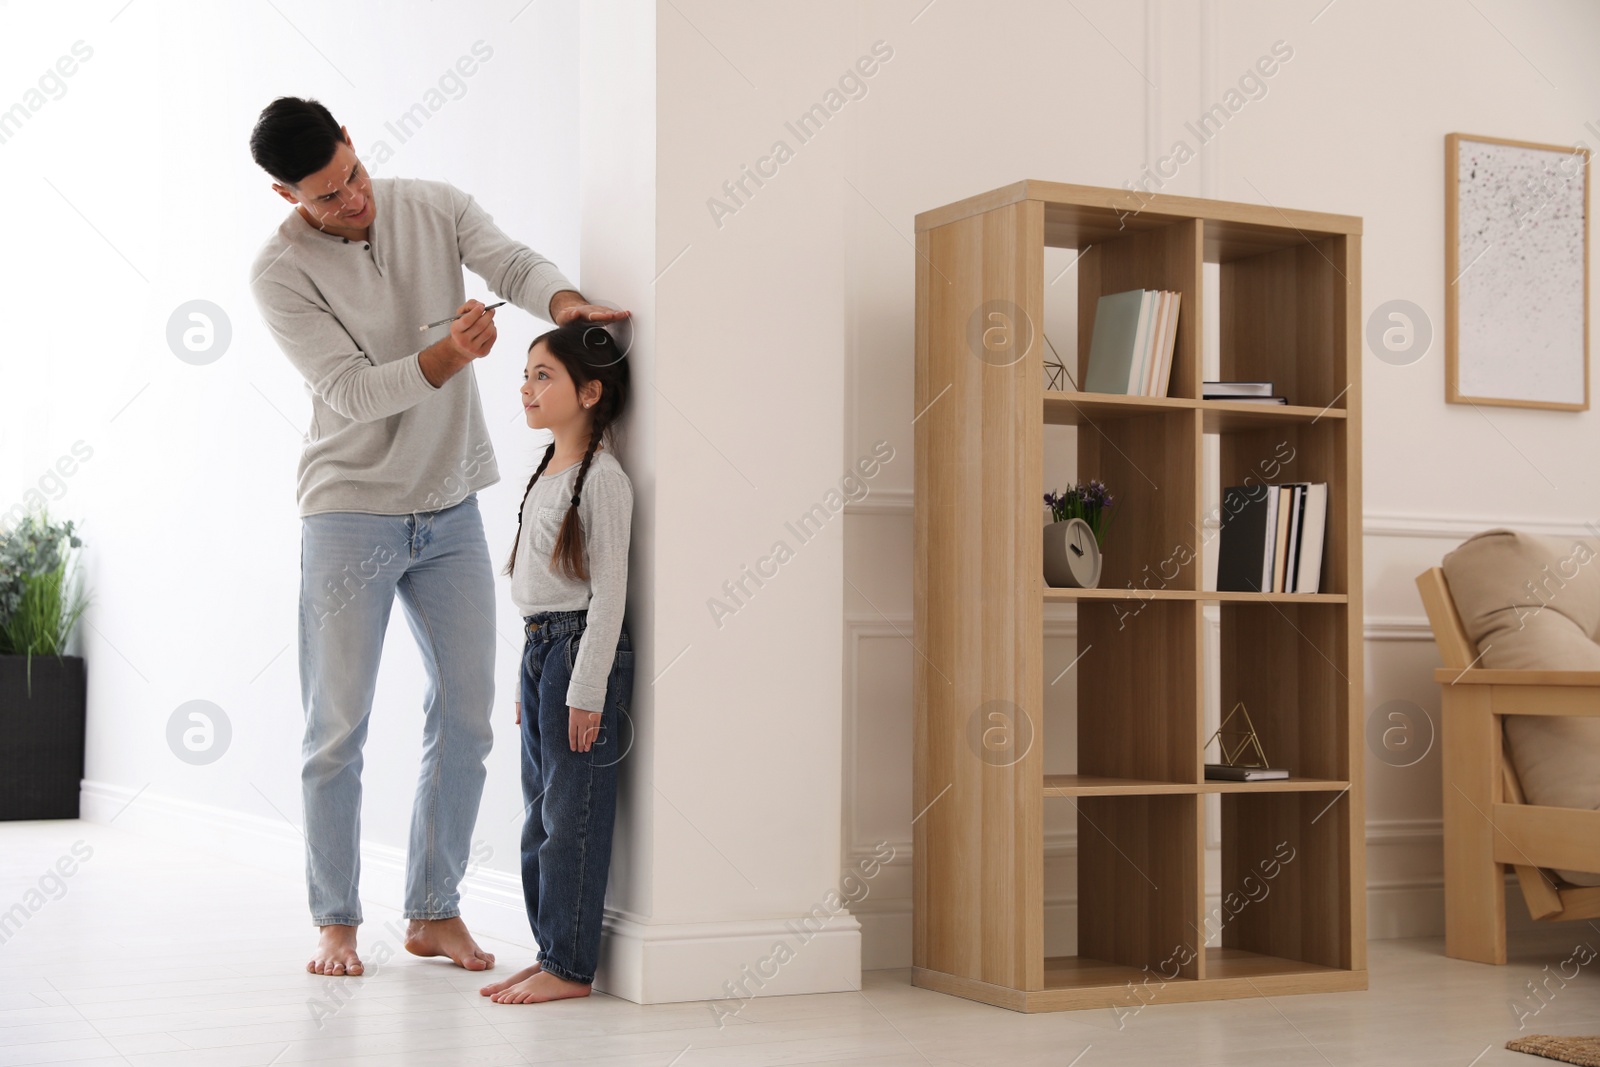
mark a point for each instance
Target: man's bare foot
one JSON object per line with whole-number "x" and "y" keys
{"x": 336, "y": 952}
{"x": 447, "y": 937}
{"x": 494, "y": 987}
{"x": 538, "y": 988}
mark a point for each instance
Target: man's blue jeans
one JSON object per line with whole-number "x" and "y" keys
{"x": 571, "y": 797}
{"x": 351, "y": 567}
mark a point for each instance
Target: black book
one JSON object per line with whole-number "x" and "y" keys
{"x": 1244, "y": 555}
{"x": 1224, "y": 772}
{"x": 1297, "y": 514}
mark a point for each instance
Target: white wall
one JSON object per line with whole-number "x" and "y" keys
{"x": 134, "y": 192}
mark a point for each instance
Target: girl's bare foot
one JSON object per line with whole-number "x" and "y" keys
{"x": 538, "y": 988}
{"x": 336, "y": 952}
{"x": 494, "y": 987}
{"x": 447, "y": 937}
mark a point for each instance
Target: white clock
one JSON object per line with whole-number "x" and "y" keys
{"x": 1071, "y": 555}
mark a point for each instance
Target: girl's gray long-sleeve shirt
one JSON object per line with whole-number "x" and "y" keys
{"x": 383, "y": 440}
{"x": 605, "y": 513}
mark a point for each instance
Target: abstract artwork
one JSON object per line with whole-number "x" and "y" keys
{"x": 1516, "y": 273}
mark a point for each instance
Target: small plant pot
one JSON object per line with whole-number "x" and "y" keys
{"x": 41, "y": 736}
{"x": 1071, "y": 555}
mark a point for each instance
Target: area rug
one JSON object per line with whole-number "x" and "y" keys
{"x": 1584, "y": 1051}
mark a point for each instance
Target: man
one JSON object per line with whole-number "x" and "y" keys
{"x": 388, "y": 483}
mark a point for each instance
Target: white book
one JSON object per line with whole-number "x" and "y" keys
{"x": 1141, "y": 343}
{"x": 1112, "y": 347}
{"x": 1313, "y": 530}
{"x": 1169, "y": 344}
{"x": 1269, "y": 550}
{"x": 1153, "y": 345}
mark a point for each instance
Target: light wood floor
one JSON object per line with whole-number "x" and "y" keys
{"x": 159, "y": 955}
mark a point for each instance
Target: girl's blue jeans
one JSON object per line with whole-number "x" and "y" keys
{"x": 570, "y": 797}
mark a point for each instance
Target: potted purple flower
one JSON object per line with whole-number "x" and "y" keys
{"x": 1080, "y": 517}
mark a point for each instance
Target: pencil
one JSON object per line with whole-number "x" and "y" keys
{"x": 452, "y": 318}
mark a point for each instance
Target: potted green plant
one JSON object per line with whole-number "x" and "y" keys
{"x": 1072, "y": 540}
{"x": 42, "y": 690}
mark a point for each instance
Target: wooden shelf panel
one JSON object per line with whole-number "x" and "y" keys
{"x": 1236, "y": 597}
{"x": 1239, "y": 963}
{"x": 1052, "y": 593}
{"x": 1082, "y": 972}
{"x": 1078, "y": 214}
{"x": 1088, "y": 785}
{"x": 1075, "y": 983}
{"x": 1281, "y": 785}
{"x": 1070, "y": 408}
{"x": 1062, "y": 408}
{"x": 1228, "y": 416}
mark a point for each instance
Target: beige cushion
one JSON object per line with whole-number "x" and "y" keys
{"x": 1533, "y": 603}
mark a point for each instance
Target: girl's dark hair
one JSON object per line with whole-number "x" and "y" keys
{"x": 589, "y": 353}
{"x": 293, "y": 138}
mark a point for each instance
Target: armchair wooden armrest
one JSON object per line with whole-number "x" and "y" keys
{"x": 1487, "y": 822}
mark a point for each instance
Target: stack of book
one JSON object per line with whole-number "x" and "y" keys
{"x": 1134, "y": 336}
{"x": 1249, "y": 392}
{"x": 1272, "y": 537}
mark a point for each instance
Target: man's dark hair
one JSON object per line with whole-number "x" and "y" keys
{"x": 293, "y": 138}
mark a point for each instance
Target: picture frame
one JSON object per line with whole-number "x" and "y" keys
{"x": 1516, "y": 273}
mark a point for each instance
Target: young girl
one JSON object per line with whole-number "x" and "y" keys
{"x": 569, "y": 580}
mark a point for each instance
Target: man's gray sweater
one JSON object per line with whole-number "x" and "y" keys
{"x": 382, "y": 439}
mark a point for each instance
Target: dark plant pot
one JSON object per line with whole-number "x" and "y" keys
{"x": 41, "y": 737}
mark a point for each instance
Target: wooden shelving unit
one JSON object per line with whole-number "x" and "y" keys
{"x": 1290, "y": 304}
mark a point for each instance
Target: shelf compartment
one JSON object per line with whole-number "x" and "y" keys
{"x": 1134, "y": 722}
{"x": 1165, "y": 257}
{"x": 1139, "y": 891}
{"x": 1288, "y": 663}
{"x": 1302, "y": 452}
{"x": 1151, "y": 464}
{"x": 1290, "y": 872}
{"x": 1287, "y": 317}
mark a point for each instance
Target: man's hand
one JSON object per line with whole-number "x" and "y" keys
{"x": 473, "y": 333}
{"x": 471, "y": 337}
{"x": 569, "y": 304}
{"x": 519, "y": 713}
{"x": 582, "y": 728}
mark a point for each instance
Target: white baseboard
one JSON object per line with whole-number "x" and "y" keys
{"x": 724, "y": 962}
{"x": 727, "y": 963}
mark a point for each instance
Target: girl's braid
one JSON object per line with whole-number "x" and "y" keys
{"x": 548, "y": 454}
{"x": 578, "y": 568}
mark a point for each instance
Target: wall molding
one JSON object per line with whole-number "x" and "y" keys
{"x": 1374, "y": 524}
{"x": 861, "y": 624}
